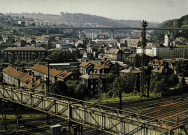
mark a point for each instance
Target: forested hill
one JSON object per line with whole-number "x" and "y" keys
{"x": 176, "y": 23}
{"x": 80, "y": 19}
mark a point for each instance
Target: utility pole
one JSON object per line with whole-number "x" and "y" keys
{"x": 47, "y": 88}
{"x": 143, "y": 44}
{"x": 120, "y": 99}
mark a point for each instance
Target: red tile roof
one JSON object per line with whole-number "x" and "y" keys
{"x": 64, "y": 75}
{"x": 52, "y": 72}
{"x": 85, "y": 64}
{"x": 13, "y": 72}
{"x": 104, "y": 64}
{"x": 33, "y": 85}
{"x": 26, "y": 78}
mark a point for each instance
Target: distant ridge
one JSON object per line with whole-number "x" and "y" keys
{"x": 176, "y": 23}
{"x": 79, "y": 19}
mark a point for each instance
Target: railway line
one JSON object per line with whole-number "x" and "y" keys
{"x": 109, "y": 120}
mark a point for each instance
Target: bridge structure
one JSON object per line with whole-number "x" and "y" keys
{"x": 111, "y": 29}
{"x": 110, "y": 120}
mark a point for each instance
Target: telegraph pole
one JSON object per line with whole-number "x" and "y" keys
{"x": 144, "y": 24}
{"x": 47, "y": 88}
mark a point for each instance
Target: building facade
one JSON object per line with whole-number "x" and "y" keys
{"x": 25, "y": 53}
{"x": 54, "y": 75}
{"x": 166, "y": 52}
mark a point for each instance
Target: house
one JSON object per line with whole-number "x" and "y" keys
{"x": 130, "y": 70}
{"x": 159, "y": 69}
{"x": 38, "y": 85}
{"x": 156, "y": 63}
{"x": 103, "y": 66}
{"x": 64, "y": 46}
{"x": 25, "y": 53}
{"x": 115, "y": 54}
{"x": 92, "y": 82}
{"x": 15, "y": 77}
{"x": 12, "y": 76}
{"x": 85, "y": 66}
{"x": 131, "y": 42}
{"x": 54, "y": 74}
{"x": 41, "y": 40}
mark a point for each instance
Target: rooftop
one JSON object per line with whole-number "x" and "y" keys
{"x": 25, "y": 49}
{"x": 131, "y": 70}
{"x": 52, "y": 72}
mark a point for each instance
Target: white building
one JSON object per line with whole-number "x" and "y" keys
{"x": 165, "y": 52}
{"x": 106, "y": 41}
{"x": 167, "y": 40}
{"x": 64, "y": 46}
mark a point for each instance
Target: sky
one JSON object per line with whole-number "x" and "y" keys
{"x": 149, "y": 10}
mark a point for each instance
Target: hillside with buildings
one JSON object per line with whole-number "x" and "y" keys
{"x": 79, "y": 19}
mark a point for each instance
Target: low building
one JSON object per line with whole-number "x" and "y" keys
{"x": 25, "y": 53}
{"x": 85, "y": 66}
{"x": 106, "y": 41}
{"x": 12, "y": 76}
{"x": 156, "y": 63}
{"x": 92, "y": 82}
{"x": 103, "y": 66}
{"x": 115, "y": 54}
{"x": 131, "y": 42}
{"x": 130, "y": 70}
{"x": 15, "y": 77}
{"x": 54, "y": 74}
{"x": 41, "y": 40}
{"x": 64, "y": 46}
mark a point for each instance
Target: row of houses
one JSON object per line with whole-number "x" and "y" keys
{"x": 36, "y": 78}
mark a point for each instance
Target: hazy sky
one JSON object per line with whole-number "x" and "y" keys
{"x": 150, "y": 10}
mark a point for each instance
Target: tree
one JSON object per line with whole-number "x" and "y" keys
{"x": 61, "y": 56}
{"x": 110, "y": 77}
{"x": 115, "y": 68}
{"x": 23, "y": 43}
{"x": 75, "y": 73}
{"x": 181, "y": 84}
{"x": 71, "y": 86}
{"x": 161, "y": 86}
{"x": 59, "y": 88}
{"x": 123, "y": 84}
{"x": 81, "y": 91}
{"x": 137, "y": 62}
{"x": 11, "y": 39}
{"x": 1, "y": 38}
{"x": 17, "y": 61}
{"x": 11, "y": 59}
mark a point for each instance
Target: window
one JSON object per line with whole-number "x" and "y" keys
{"x": 92, "y": 86}
{"x": 43, "y": 86}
